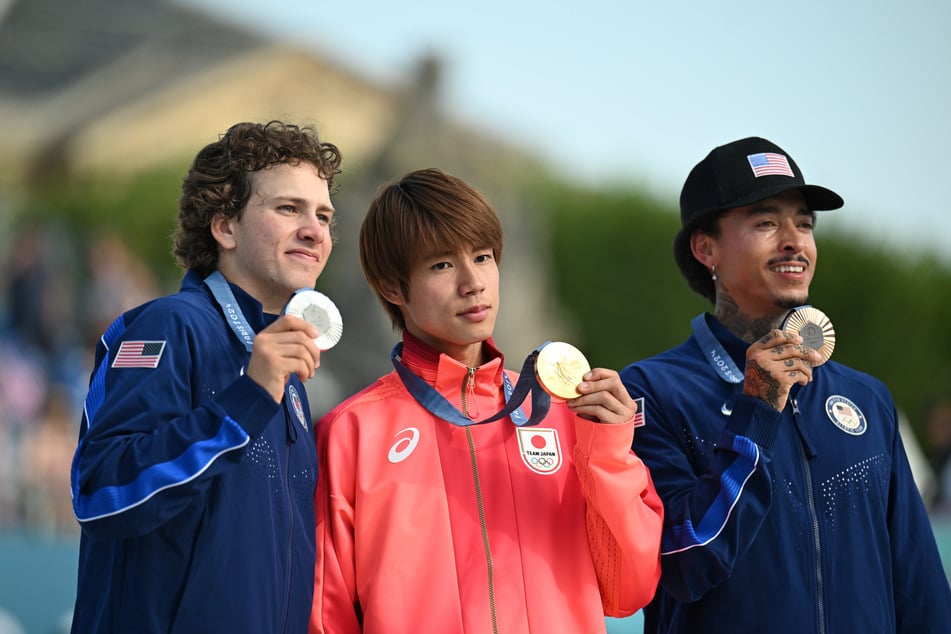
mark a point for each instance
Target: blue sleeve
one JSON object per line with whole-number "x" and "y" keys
{"x": 922, "y": 594}
{"x": 716, "y": 490}
{"x": 153, "y": 439}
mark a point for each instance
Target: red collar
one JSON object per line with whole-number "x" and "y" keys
{"x": 423, "y": 360}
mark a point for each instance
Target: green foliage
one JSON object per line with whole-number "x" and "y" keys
{"x": 616, "y": 274}
{"x": 141, "y": 210}
{"x": 891, "y": 315}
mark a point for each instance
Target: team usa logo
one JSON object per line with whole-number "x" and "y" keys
{"x": 539, "y": 449}
{"x": 846, "y": 415}
{"x": 298, "y": 405}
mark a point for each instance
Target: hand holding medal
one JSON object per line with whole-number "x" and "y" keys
{"x": 560, "y": 368}
{"x": 814, "y": 327}
{"x": 318, "y": 310}
{"x": 555, "y": 367}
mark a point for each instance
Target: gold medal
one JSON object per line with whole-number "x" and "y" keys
{"x": 814, "y": 327}
{"x": 317, "y": 309}
{"x": 560, "y": 367}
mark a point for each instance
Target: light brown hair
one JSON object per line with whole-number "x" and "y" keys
{"x": 424, "y": 213}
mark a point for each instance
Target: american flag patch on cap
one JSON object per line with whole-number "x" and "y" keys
{"x": 770, "y": 164}
{"x": 139, "y": 354}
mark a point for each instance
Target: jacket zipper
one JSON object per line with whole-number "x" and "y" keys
{"x": 485, "y": 532}
{"x": 468, "y": 387}
{"x": 811, "y": 503}
{"x": 290, "y": 548}
{"x": 288, "y": 581}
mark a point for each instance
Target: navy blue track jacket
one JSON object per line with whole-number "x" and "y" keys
{"x": 796, "y": 522}
{"x": 194, "y": 489}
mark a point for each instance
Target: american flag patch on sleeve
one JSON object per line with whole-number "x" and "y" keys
{"x": 639, "y": 418}
{"x": 139, "y": 354}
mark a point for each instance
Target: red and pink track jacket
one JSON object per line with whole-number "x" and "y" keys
{"x": 425, "y": 526}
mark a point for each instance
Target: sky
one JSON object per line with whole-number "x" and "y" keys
{"x": 630, "y": 92}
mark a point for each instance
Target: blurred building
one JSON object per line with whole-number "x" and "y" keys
{"x": 122, "y": 86}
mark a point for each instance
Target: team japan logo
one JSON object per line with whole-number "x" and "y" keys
{"x": 846, "y": 415}
{"x": 539, "y": 449}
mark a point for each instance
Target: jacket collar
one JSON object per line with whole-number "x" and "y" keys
{"x": 434, "y": 367}
{"x": 253, "y": 312}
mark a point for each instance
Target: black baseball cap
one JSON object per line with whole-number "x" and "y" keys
{"x": 744, "y": 172}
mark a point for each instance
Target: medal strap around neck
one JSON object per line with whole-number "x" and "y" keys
{"x": 218, "y": 285}
{"x": 716, "y": 355}
{"x": 437, "y": 405}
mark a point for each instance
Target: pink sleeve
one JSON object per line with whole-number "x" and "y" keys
{"x": 334, "y": 610}
{"x": 624, "y": 516}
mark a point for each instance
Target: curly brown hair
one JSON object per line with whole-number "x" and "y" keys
{"x": 219, "y": 181}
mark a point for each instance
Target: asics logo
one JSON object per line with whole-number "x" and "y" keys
{"x": 406, "y": 441}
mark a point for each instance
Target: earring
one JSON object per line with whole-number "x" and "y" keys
{"x": 713, "y": 273}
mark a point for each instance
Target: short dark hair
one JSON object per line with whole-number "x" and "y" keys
{"x": 219, "y": 181}
{"x": 426, "y": 212}
{"x": 696, "y": 274}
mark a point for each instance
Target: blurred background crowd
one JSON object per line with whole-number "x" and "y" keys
{"x": 47, "y": 342}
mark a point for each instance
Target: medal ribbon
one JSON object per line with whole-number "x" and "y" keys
{"x": 245, "y": 334}
{"x": 437, "y": 405}
{"x": 718, "y": 358}
{"x": 233, "y": 315}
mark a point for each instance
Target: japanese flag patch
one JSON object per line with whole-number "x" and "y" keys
{"x": 539, "y": 449}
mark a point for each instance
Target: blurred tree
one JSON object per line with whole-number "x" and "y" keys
{"x": 615, "y": 273}
{"x": 140, "y": 208}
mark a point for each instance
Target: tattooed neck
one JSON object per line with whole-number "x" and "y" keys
{"x": 746, "y": 327}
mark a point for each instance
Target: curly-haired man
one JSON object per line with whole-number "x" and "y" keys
{"x": 195, "y": 472}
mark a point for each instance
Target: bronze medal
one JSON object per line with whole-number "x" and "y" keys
{"x": 814, "y": 327}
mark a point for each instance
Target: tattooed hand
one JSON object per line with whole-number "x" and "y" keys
{"x": 774, "y": 364}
